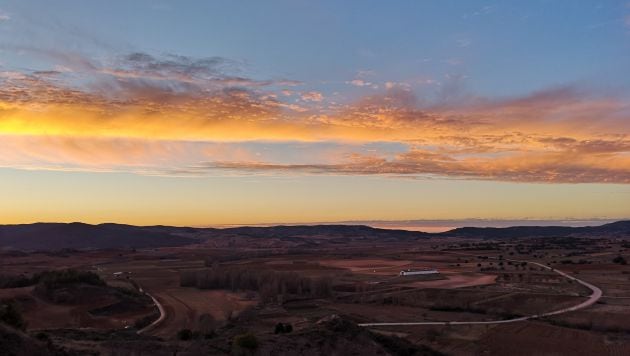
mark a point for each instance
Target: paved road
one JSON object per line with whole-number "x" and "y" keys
{"x": 594, "y": 297}
{"x": 159, "y": 320}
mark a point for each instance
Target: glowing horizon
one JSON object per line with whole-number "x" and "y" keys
{"x": 364, "y": 133}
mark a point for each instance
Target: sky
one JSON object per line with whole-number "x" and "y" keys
{"x": 250, "y": 112}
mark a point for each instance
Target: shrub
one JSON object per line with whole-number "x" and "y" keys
{"x": 246, "y": 341}
{"x": 402, "y": 347}
{"x": 15, "y": 281}
{"x": 620, "y": 260}
{"x": 432, "y": 335}
{"x": 282, "y": 328}
{"x": 185, "y": 334}
{"x": 209, "y": 335}
{"x": 10, "y": 315}
{"x": 207, "y": 323}
{"x": 58, "y": 279}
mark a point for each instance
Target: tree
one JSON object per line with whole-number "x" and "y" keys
{"x": 247, "y": 341}
{"x": 207, "y": 324}
{"x": 282, "y": 328}
{"x": 432, "y": 335}
{"x": 184, "y": 334}
{"x": 279, "y": 329}
{"x": 10, "y": 315}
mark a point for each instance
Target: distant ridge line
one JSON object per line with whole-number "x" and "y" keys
{"x": 54, "y": 236}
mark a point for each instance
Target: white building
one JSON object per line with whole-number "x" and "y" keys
{"x": 415, "y": 272}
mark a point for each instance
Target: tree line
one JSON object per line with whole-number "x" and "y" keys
{"x": 271, "y": 285}
{"x": 51, "y": 279}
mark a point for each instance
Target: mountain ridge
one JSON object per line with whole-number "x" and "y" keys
{"x": 76, "y": 235}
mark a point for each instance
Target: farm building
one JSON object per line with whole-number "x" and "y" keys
{"x": 414, "y": 272}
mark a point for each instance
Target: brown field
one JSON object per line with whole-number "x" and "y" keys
{"x": 43, "y": 314}
{"x": 185, "y": 306}
{"x": 473, "y": 285}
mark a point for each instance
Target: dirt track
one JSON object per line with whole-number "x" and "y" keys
{"x": 159, "y": 320}
{"x": 177, "y": 315}
{"x": 594, "y": 297}
{"x": 182, "y": 308}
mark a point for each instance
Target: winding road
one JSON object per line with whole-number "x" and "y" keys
{"x": 592, "y": 299}
{"x": 158, "y": 320}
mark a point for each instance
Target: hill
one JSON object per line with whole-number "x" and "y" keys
{"x": 617, "y": 229}
{"x": 331, "y": 231}
{"x": 55, "y": 236}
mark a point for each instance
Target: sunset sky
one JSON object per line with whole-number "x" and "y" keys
{"x": 245, "y": 112}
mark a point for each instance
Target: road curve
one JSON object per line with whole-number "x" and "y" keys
{"x": 158, "y": 320}
{"x": 592, "y": 299}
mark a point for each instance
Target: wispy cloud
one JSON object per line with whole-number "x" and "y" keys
{"x": 362, "y": 83}
{"x": 463, "y": 42}
{"x": 312, "y": 96}
{"x": 178, "y": 115}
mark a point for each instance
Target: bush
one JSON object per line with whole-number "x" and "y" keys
{"x": 209, "y": 335}
{"x": 620, "y": 260}
{"x": 282, "y": 328}
{"x": 15, "y": 281}
{"x": 432, "y": 335}
{"x": 10, "y": 315}
{"x": 52, "y": 279}
{"x": 185, "y": 334}
{"x": 207, "y": 323}
{"x": 279, "y": 329}
{"x": 246, "y": 341}
{"x": 56, "y": 279}
{"x": 402, "y": 347}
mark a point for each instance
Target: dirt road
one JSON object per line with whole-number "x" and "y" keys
{"x": 159, "y": 320}
{"x": 592, "y": 299}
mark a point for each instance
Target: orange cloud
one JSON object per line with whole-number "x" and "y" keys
{"x": 144, "y": 114}
{"x": 559, "y": 167}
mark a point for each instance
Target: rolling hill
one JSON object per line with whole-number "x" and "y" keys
{"x": 55, "y": 236}
{"x": 619, "y": 228}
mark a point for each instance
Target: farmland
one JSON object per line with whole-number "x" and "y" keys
{"x": 216, "y": 293}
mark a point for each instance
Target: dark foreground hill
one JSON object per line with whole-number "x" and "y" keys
{"x": 55, "y": 236}
{"x": 330, "y": 336}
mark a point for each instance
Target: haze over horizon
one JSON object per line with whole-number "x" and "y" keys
{"x": 219, "y": 113}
